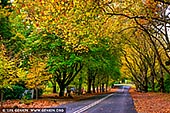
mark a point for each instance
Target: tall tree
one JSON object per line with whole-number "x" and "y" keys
{"x": 36, "y": 78}
{"x": 69, "y": 28}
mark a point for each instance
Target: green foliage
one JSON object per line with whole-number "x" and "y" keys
{"x": 4, "y": 3}
{"x": 11, "y": 32}
{"x": 8, "y": 69}
{"x": 103, "y": 59}
{"x": 167, "y": 83}
{"x": 5, "y": 26}
{"x": 67, "y": 35}
{"x": 14, "y": 92}
{"x": 63, "y": 62}
{"x": 48, "y": 90}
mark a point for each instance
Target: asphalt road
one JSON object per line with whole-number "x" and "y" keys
{"x": 118, "y": 102}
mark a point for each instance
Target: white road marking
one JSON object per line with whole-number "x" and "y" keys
{"x": 91, "y": 105}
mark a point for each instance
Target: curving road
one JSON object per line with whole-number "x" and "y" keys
{"x": 118, "y": 102}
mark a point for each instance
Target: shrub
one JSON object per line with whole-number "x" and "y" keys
{"x": 15, "y": 92}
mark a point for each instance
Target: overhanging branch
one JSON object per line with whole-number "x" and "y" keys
{"x": 162, "y": 1}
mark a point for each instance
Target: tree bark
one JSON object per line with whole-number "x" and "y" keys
{"x": 54, "y": 87}
{"x": 61, "y": 93}
{"x": 2, "y": 98}
{"x": 146, "y": 84}
{"x": 162, "y": 87}
{"x": 36, "y": 93}
{"x": 102, "y": 87}
{"x": 153, "y": 83}
{"x": 107, "y": 83}
{"x": 66, "y": 77}
{"x": 106, "y": 86}
{"x": 98, "y": 83}
{"x": 80, "y": 85}
{"x": 97, "y": 88}
{"x": 93, "y": 84}
{"x": 89, "y": 85}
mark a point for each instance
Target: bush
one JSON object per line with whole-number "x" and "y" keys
{"x": 27, "y": 95}
{"x": 40, "y": 92}
{"x": 15, "y": 92}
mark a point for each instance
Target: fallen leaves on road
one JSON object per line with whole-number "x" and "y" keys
{"x": 151, "y": 102}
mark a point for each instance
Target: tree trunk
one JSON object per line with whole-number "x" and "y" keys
{"x": 36, "y": 93}
{"x": 61, "y": 93}
{"x": 80, "y": 89}
{"x": 146, "y": 84}
{"x": 107, "y": 83}
{"x": 54, "y": 87}
{"x": 97, "y": 89}
{"x": 162, "y": 87}
{"x": 80, "y": 85}
{"x": 2, "y": 96}
{"x": 93, "y": 84}
{"x": 89, "y": 85}
{"x": 153, "y": 83}
{"x": 98, "y": 83}
{"x": 102, "y": 87}
{"x": 106, "y": 86}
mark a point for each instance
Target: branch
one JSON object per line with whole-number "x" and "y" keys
{"x": 162, "y": 1}
{"x": 76, "y": 69}
{"x": 138, "y": 17}
{"x": 131, "y": 68}
{"x": 155, "y": 47}
{"x": 130, "y": 17}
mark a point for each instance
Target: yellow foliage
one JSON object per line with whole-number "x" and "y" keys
{"x": 9, "y": 72}
{"x": 37, "y": 74}
{"x": 70, "y": 20}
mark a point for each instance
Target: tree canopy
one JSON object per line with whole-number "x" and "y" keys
{"x": 70, "y": 37}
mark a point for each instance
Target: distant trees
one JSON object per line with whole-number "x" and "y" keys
{"x": 103, "y": 65}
